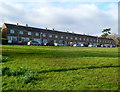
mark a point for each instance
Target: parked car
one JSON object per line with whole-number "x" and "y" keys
{"x": 90, "y": 45}
{"x": 76, "y": 45}
{"x": 49, "y": 44}
{"x": 33, "y": 43}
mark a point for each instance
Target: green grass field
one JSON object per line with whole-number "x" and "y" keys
{"x": 59, "y": 68}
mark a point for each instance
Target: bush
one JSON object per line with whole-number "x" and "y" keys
{"x": 6, "y": 71}
{"x": 4, "y": 41}
{"x": 19, "y": 71}
{"x": 4, "y": 59}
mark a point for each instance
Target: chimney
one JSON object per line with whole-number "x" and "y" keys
{"x": 17, "y": 24}
{"x": 46, "y": 28}
{"x": 26, "y": 25}
{"x": 53, "y": 29}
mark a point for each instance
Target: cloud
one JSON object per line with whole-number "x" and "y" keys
{"x": 80, "y": 17}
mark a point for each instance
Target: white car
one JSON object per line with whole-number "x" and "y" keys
{"x": 33, "y": 43}
{"x": 90, "y": 45}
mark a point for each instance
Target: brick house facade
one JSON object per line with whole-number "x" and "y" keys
{"x": 23, "y": 34}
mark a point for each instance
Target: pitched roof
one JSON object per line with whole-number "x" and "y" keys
{"x": 20, "y": 27}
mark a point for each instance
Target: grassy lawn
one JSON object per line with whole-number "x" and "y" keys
{"x": 59, "y": 68}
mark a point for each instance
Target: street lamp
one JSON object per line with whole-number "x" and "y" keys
{"x": 41, "y": 38}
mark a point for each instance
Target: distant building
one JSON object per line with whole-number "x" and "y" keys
{"x": 22, "y": 34}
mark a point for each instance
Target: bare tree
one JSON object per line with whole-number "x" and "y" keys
{"x": 114, "y": 37}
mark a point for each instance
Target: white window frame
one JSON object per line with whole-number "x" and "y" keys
{"x": 27, "y": 39}
{"x": 56, "y": 36}
{"x": 44, "y": 35}
{"x": 61, "y": 37}
{"x": 76, "y": 38}
{"x": 36, "y": 34}
{"x": 29, "y": 33}
{"x": 66, "y": 37}
{"x": 36, "y": 39}
{"x": 21, "y": 32}
{"x": 71, "y": 38}
{"x": 50, "y": 35}
{"x": 12, "y": 31}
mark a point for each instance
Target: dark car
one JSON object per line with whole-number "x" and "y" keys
{"x": 49, "y": 44}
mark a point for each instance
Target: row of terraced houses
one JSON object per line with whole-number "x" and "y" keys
{"x": 17, "y": 34}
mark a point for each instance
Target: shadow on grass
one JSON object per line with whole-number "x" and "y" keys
{"x": 71, "y": 69}
{"x": 62, "y": 54}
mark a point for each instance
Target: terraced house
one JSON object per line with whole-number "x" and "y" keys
{"x": 17, "y": 34}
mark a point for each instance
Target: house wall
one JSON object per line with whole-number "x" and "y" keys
{"x": 80, "y": 38}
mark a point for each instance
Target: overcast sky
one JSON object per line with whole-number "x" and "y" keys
{"x": 74, "y": 16}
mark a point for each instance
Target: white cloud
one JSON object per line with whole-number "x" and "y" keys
{"x": 82, "y": 18}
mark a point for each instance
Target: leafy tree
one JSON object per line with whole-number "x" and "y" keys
{"x": 106, "y": 32}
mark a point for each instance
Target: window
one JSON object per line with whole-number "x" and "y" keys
{"x": 36, "y": 34}
{"x": 35, "y": 39}
{"x": 12, "y": 31}
{"x": 61, "y": 37}
{"x": 55, "y": 41}
{"x": 29, "y": 33}
{"x": 44, "y": 35}
{"x": 23, "y": 39}
{"x": 75, "y": 38}
{"x": 27, "y": 39}
{"x": 21, "y": 32}
{"x": 66, "y": 37}
{"x": 84, "y": 39}
{"x": 50, "y": 35}
{"x": 71, "y": 38}
{"x": 45, "y": 40}
{"x": 80, "y": 38}
{"x": 60, "y": 41}
{"x": 12, "y": 38}
{"x": 56, "y": 36}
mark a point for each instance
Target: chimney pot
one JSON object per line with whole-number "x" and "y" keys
{"x": 26, "y": 25}
{"x": 17, "y": 24}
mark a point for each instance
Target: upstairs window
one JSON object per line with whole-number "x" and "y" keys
{"x": 12, "y": 31}
{"x": 50, "y": 35}
{"x": 66, "y": 37}
{"x": 80, "y": 38}
{"x": 56, "y": 36}
{"x": 75, "y": 38}
{"x": 29, "y": 33}
{"x": 84, "y": 39}
{"x": 61, "y": 37}
{"x": 71, "y": 38}
{"x": 36, "y": 34}
{"x": 44, "y": 35}
{"x": 21, "y": 32}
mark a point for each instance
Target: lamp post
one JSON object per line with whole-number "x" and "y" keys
{"x": 97, "y": 40}
{"x": 41, "y": 38}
